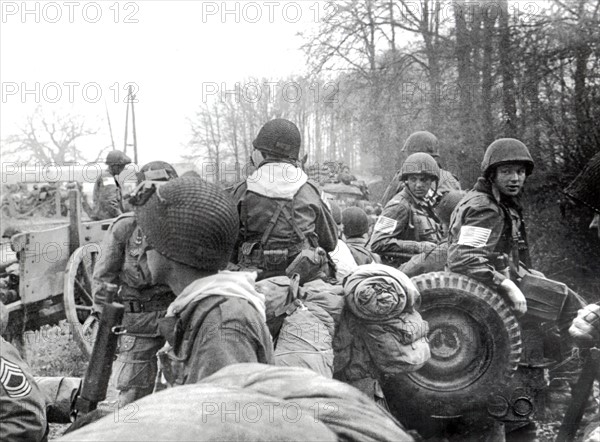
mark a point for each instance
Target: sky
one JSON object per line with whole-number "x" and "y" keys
{"x": 78, "y": 57}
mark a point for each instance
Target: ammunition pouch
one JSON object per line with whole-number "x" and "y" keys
{"x": 545, "y": 297}
{"x": 252, "y": 255}
{"x": 309, "y": 264}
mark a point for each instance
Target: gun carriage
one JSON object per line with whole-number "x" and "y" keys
{"x": 56, "y": 265}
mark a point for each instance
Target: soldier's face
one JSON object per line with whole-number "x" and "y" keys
{"x": 510, "y": 178}
{"x": 419, "y": 185}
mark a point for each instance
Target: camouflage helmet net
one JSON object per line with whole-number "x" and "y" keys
{"x": 279, "y": 137}
{"x": 191, "y": 222}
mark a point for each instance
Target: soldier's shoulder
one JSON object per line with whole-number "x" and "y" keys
{"x": 123, "y": 224}
{"x": 479, "y": 202}
{"x": 236, "y": 190}
{"x": 310, "y": 183}
{"x": 398, "y": 200}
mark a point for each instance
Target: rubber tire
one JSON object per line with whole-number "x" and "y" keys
{"x": 435, "y": 391}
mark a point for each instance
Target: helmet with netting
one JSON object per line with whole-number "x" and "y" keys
{"x": 280, "y": 138}
{"x": 504, "y": 151}
{"x": 420, "y": 164}
{"x": 190, "y": 221}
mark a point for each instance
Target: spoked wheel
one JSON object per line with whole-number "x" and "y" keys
{"x": 475, "y": 343}
{"x": 78, "y": 293}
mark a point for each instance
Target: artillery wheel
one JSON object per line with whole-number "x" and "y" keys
{"x": 78, "y": 293}
{"x": 475, "y": 343}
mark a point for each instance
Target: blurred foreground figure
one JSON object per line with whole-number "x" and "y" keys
{"x": 22, "y": 402}
{"x": 217, "y": 318}
{"x": 250, "y": 402}
{"x": 585, "y": 189}
{"x": 28, "y": 403}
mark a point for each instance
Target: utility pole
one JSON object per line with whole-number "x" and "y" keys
{"x": 112, "y": 140}
{"x": 130, "y": 101}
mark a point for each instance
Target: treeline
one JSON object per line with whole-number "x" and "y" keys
{"x": 469, "y": 72}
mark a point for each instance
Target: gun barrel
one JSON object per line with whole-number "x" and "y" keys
{"x": 98, "y": 371}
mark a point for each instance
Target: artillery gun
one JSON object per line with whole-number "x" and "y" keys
{"x": 56, "y": 264}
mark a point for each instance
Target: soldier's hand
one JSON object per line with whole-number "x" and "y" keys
{"x": 586, "y": 326}
{"x": 89, "y": 329}
{"x": 516, "y": 297}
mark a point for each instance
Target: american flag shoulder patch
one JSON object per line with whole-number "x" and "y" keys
{"x": 13, "y": 379}
{"x": 385, "y": 225}
{"x": 474, "y": 236}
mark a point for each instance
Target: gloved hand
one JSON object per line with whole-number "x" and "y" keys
{"x": 516, "y": 297}
{"x": 586, "y": 326}
{"x": 89, "y": 329}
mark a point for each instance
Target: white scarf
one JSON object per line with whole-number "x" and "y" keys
{"x": 225, "y": 283}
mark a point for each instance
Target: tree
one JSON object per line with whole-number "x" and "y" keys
{"x": 49, "y": 139}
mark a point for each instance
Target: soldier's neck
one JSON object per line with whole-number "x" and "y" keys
{"x": 181, "y": 276}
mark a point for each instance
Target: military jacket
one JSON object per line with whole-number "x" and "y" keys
{"x": 361, "y": 252}
{"x": 280, "y": 209}
{"x": 482, "y": 228}
{"x": 404, "y": 223}
{"x": 107, "y": 197}
{"x": 22, "y": 402}
{"x": 123, "y": 262}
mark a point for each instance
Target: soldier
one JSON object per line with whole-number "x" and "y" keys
{"x": 22, "y": 402}
{"x": 281, "y": 212}
{"x": 123, "y": 262}
{"x": 585, "y": 189}
{"x": 435, "y": 259}
{"x": 218, "y": 318}
{"x": 428, "y": 143}
{"x": 408, "y": 225}
{"x": 107, "y": 190}
{"x": 356, "y": 230}
{"x": 488, "y": 224}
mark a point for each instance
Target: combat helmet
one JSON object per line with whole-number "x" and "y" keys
{"x": 422, "y": 141}
{"x": 420, "y": 164}
{"x": 279, "y": 137}
{"x": 190, "y": 221}
{"x": 356, "y": 222}
{"x": 156, "y": 171}
{"x": 506, "y": 150}
{"x": 116, "y": 157}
